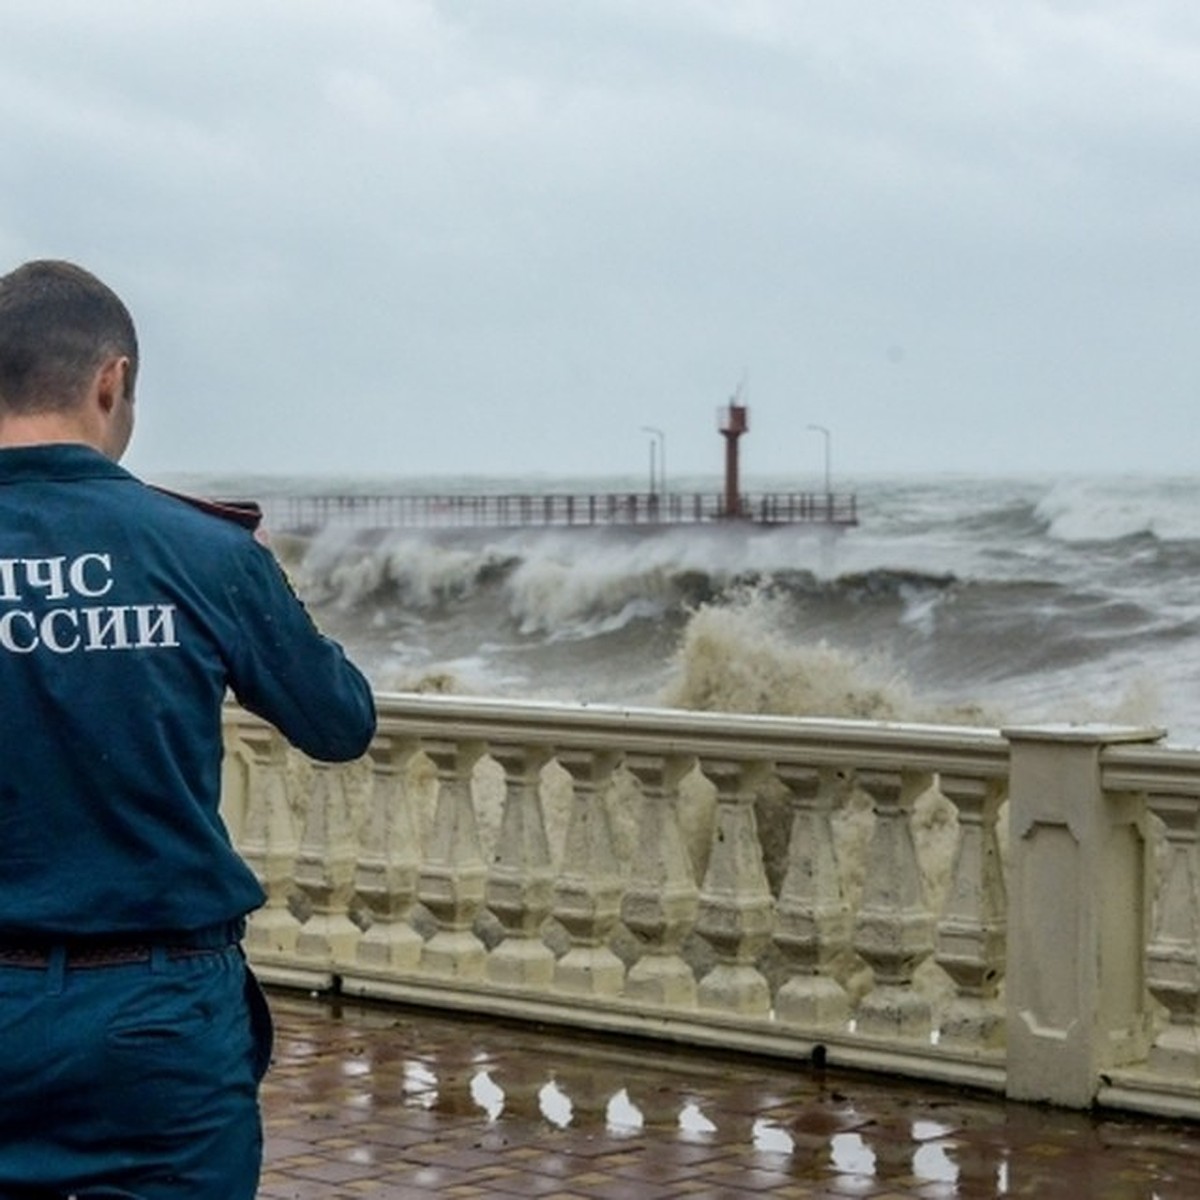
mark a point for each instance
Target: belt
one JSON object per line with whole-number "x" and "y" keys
{"x": 85, "y": 958}
{"x": 88, "y": 953}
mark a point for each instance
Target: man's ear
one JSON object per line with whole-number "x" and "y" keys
{"x": 110, "y": 382}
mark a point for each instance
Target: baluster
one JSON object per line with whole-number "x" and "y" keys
{"x": 325, "y": 870}
{"x": 452, "y": 879}
{"x": 972, "y": 933}
{"x": 662, "y": 899}
{"x": 736, "y": 907}
{"x": 386, "y": 878}
{"x": 813, "y": 919}
{"x": 1172, "y": 968}
{"x": 235, "y": 781}
{"x": 587, "y": 893}
{"x": 520, "y": 883}
{"x": 269, "y": 842}
{"x": 894, "y": 927}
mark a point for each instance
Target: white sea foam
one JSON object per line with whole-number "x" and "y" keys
{"x": 1089, "y": 510}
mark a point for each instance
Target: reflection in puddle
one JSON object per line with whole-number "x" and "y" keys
{"x": 622, "y": 1113}
{"x": 934, "y": 1164}
{"x": 926, "y": 1131}
{"x": 555, "y": 1105}
{"x": 771, "y": 1139}
{"x": 932, "y": 1155}
{"x": 692, "y": 1120}
{"x": 851, "y": 1155}
{"x": 488, "y": 1095}
{"x": 420, "y": 1083}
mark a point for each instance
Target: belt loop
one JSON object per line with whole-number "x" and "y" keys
{"x": 158, "y": 958}
{"x": 56, "y": 970}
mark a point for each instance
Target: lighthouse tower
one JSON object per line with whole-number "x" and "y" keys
{"x": 732, "y": 421}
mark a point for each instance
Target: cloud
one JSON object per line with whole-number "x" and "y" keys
{"x": 415, "y": 235}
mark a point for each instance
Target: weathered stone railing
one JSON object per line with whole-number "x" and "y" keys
{"x": 1016, "y": 911}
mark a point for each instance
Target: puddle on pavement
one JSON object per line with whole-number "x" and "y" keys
{"x": 815, "y": 1134}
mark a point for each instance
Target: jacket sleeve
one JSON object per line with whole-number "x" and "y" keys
{"x": 285, "y": 671}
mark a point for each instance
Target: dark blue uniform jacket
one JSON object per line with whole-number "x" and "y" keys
{"x": 125, "y": 615}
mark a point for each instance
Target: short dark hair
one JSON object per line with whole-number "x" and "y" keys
{"x": 58, "y": 325}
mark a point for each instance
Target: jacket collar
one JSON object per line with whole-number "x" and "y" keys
{"x": 56, "y": 461}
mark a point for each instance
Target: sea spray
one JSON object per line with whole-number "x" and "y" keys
{"x": 735, "y": 657}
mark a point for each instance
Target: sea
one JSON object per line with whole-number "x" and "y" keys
{"x": 963, "y": 599}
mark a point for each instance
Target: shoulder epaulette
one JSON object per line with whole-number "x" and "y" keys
{"x": 247, "y": 513}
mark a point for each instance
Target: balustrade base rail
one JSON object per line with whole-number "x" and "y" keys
{"x": 982, "y": 1070}
{"x": 759, "y": 884}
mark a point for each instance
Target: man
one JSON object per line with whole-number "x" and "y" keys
{"x": 132, "y": 1037}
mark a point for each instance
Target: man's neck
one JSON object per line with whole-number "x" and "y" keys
{"x": 42, "y": 429}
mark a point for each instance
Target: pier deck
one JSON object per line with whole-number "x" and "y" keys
{"x": 556, "y": 510}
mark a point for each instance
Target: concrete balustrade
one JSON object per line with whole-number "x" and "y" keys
{"x": 1013, "y": 910}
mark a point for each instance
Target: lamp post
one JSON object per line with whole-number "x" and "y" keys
{"x": 662, "y": 458}
{"x": 828, "y": 477}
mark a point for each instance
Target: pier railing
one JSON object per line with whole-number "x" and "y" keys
{"x": 1015, "y": 911}
{"x": 558, "y": 510}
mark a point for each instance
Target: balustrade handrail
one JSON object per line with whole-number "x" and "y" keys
{"x": 1151, "y": 768}
{"x": 830, "y": 741}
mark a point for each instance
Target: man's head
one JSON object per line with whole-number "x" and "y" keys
{"x": 68, "y": 354}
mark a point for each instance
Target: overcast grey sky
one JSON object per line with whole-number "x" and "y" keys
{"x": 419, "y": 236}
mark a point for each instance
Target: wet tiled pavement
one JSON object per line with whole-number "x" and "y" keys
{"x": 387, "y": 1102}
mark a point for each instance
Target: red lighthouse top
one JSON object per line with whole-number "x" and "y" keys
{"x": 733, "y": 419}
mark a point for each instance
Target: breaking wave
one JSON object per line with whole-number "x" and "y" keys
{"x": 1114, "y": 510}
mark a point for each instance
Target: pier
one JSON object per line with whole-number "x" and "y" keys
{"x": 555, "y": 510}
{"x": 657, "y": 507}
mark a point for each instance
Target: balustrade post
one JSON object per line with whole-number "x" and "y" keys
{"x": 812, "y": 917}
{"x": 1172, "y": 962}
{"x": 520, "y": 883}
{"x": 386, "y": 878}
{"x": 1075, "y": 986}
{"x": 268, "y": 842}
{"x": 453, "y": 876}
{"x": 973, "y": 929}
{"x": 325, "y": 871}
{"x": 894, "y": 927}
{"x": 661, "y": 899}
{"x": 736, "y": 906}
{"x": 587, "y": 892}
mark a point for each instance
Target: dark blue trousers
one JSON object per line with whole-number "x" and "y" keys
{"x": 132, "y": 1082}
